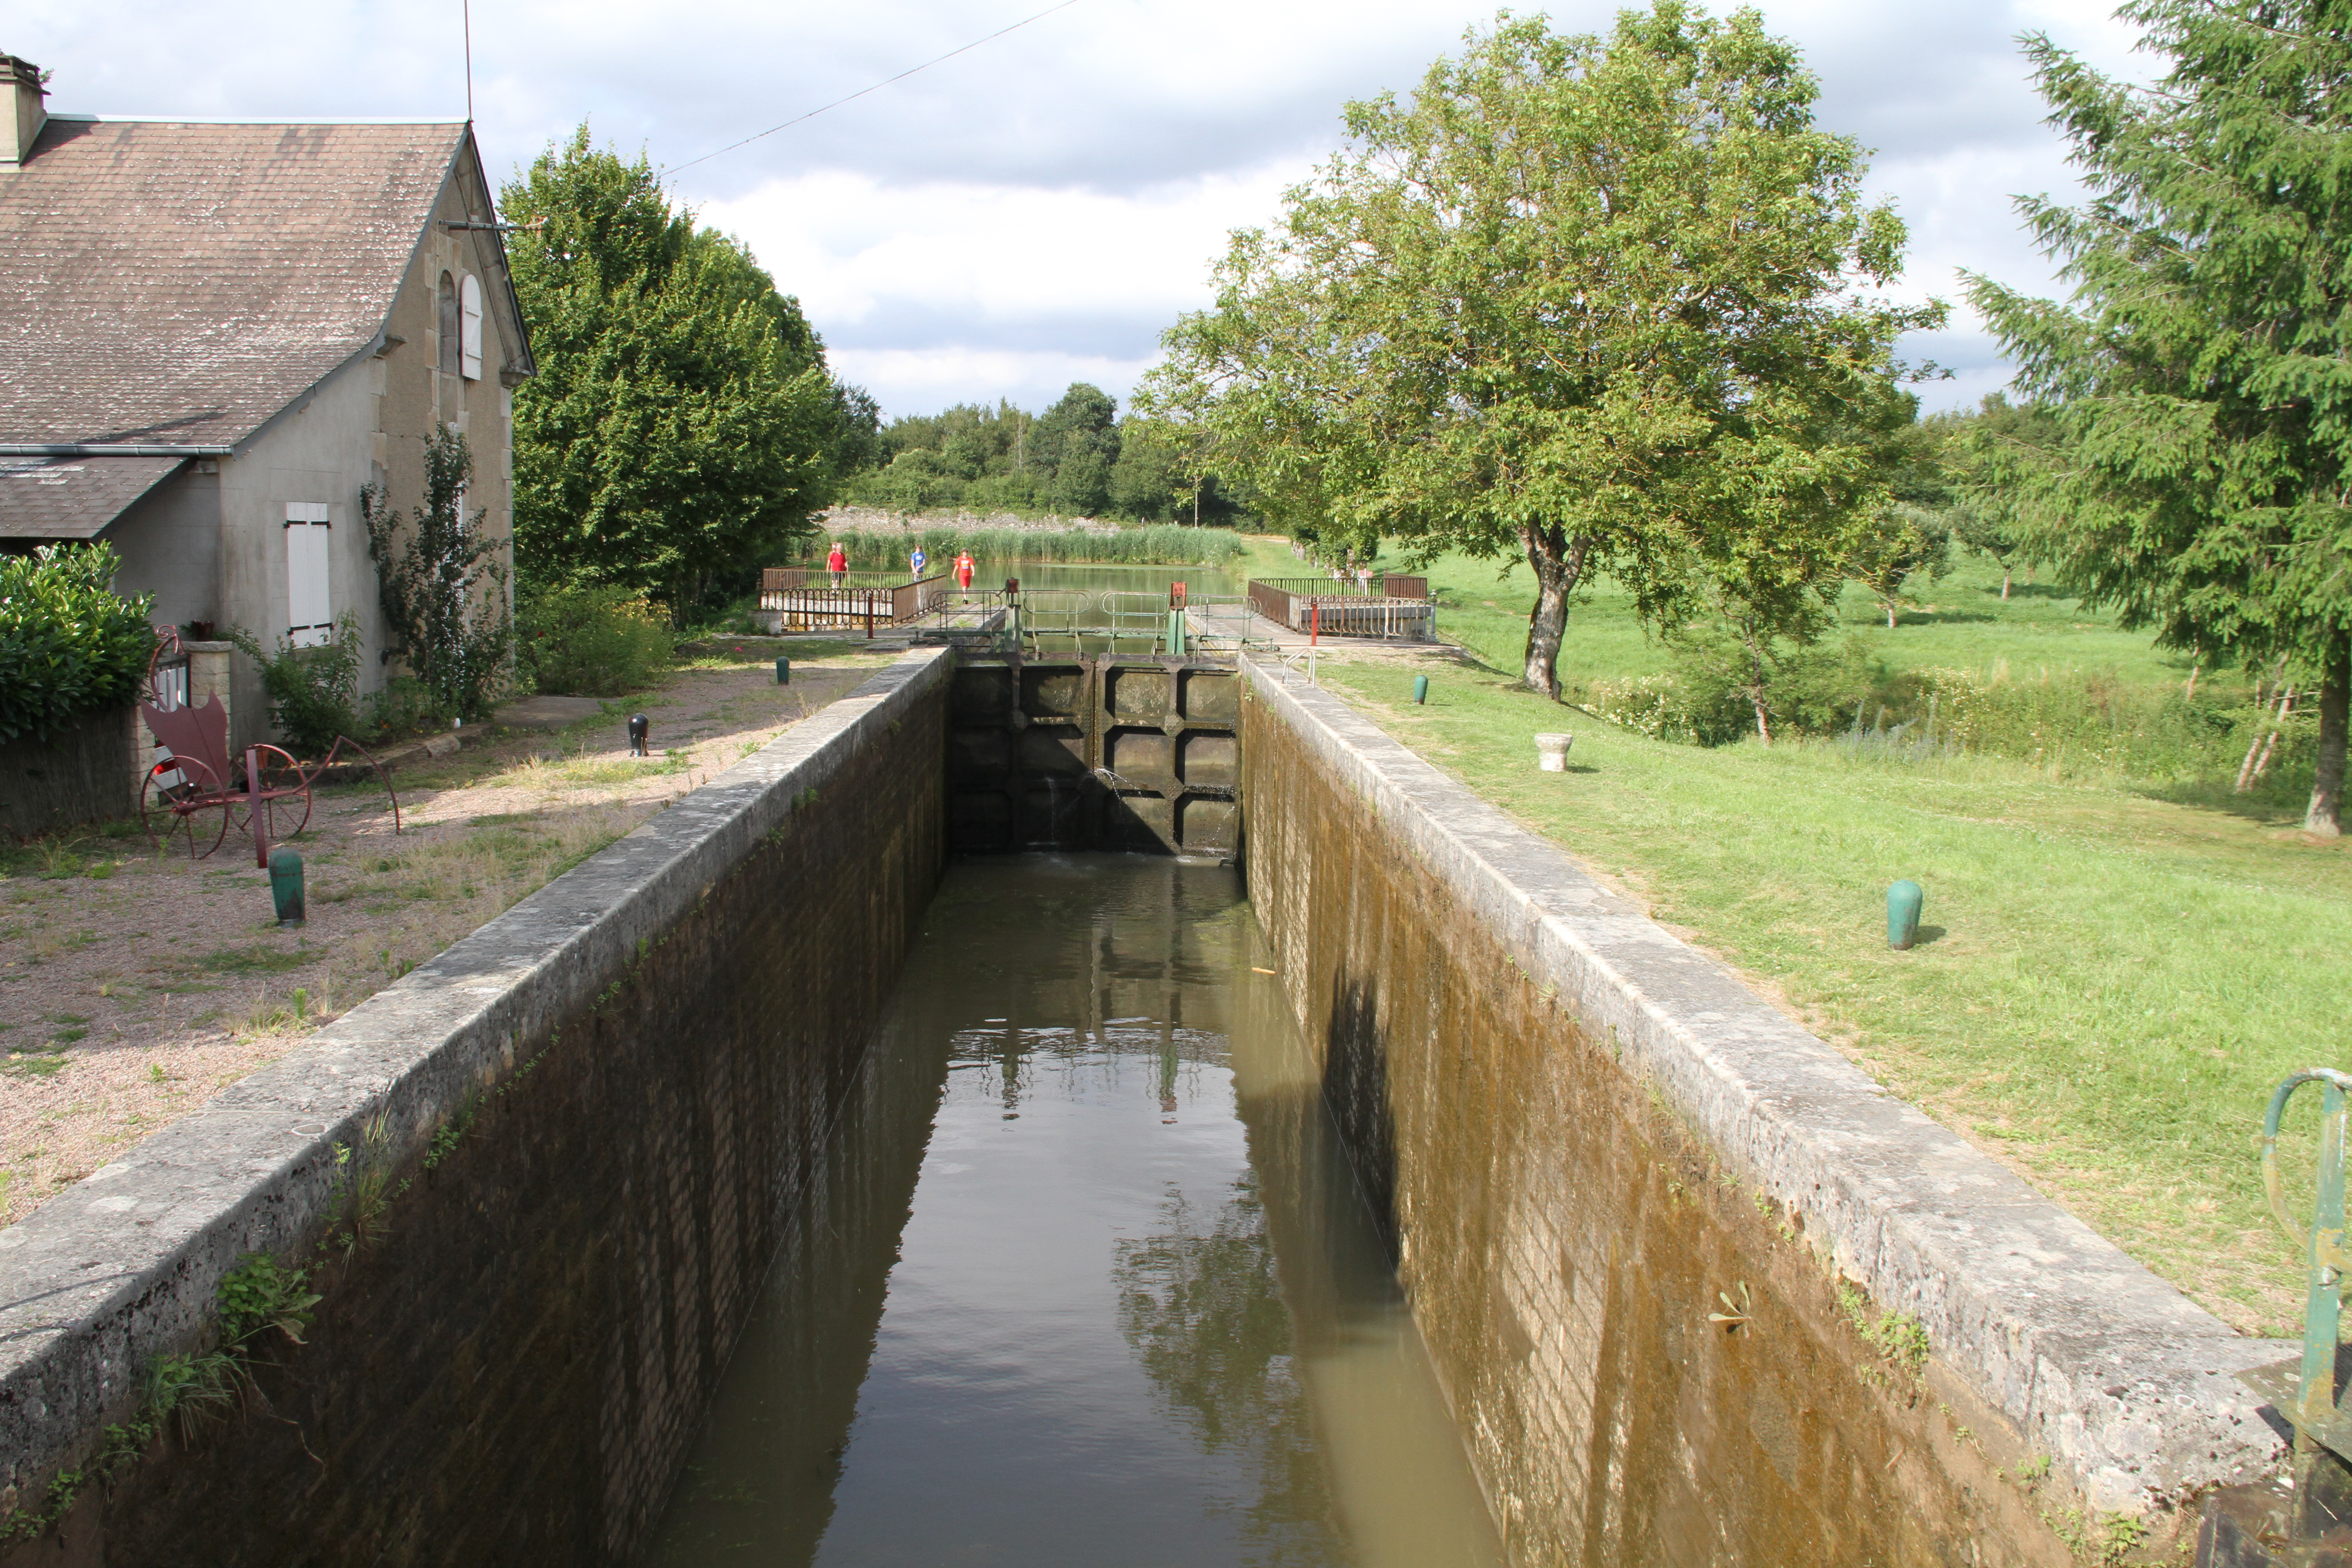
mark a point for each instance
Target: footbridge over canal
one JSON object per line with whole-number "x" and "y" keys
{"x": 1691, "y": 1287}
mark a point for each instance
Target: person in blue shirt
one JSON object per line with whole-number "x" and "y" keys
{"x": 915, "y": 559}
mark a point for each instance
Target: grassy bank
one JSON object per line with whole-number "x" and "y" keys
{"x": 1960, "y": 621}
{"x": 2035, "y": 678}
{"x": 2111, "y": 981}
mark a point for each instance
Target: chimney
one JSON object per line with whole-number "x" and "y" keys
{"x": 22, "y": 79}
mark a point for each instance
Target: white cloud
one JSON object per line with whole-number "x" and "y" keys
{"x": 1036, "y": 210}
{"x": 966, "y": 291}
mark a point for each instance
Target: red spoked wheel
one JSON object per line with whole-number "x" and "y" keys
{"x": 182, "y": 807}
{"x": 285, "y": 797}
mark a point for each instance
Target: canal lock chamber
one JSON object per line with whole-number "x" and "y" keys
{"x": 1091, "y": 1280}
{"x": 637, "y": 1237}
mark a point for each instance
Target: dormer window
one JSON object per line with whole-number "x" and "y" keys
{"x": 448, "y": 353}
{"x": 469, "y": 328}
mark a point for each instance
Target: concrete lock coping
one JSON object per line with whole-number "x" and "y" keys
{"x": 2128, "y": 1384}
{"x": 126, "y": 1264}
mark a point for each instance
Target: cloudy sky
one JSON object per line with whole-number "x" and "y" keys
{"x": 1036, "y": 210}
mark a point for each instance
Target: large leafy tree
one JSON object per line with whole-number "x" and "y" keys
{"x": 2199, "y": 374}
{"x": 1076, "y": 440}
{"x": 683, "y": 425}
{"x": 1590, "y": 303}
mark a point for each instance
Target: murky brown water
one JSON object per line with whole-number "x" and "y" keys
{"x": 1090, "y": 1285}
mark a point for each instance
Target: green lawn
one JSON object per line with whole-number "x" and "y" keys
{"x": 2112, "y": 982}
{"x": 1962, "y": 622}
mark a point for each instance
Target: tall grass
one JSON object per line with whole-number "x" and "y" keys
{"x": 2067, "y": 723}
{"x": 1157, "y": 544}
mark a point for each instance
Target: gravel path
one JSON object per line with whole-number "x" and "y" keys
{"x": 133, "y": 988}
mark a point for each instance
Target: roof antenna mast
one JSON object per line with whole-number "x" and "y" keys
{"x": 466, "y": 11}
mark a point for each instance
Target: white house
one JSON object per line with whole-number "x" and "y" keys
{"x": 215, "y": 333}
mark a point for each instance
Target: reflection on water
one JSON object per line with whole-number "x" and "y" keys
{"x": 1091, "y": 1285}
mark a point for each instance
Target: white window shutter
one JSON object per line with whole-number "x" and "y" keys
{"x": 309, "y": 608}
{"x": 469, "y": 328}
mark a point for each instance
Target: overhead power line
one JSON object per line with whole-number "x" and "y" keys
{"x": 885, "y": 81}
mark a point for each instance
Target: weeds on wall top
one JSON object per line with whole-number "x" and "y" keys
{"x": 191, "y": 1393}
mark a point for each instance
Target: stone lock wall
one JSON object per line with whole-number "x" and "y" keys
{"x": 540, "y": 1182}
{"x": 1678, "y": 1263}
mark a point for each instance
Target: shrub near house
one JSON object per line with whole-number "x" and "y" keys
{"x": 69, "y": 643}
{"x": 72, "y": 655}
{"x": 593, "y": 642}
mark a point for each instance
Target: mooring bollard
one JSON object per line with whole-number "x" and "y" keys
{"x": 1903, "y": 901}
{"x": 783, "y": 672}
{"x": 286, "y": 884}
{"x": 2255, "y": 1526}
{"x": 639, "y": 728}
{"x": 1551, "y": 753}
{"x": 1420, "y": 689}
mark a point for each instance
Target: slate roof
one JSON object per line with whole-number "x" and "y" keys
{"x": 168, "y": 282}
{"x": 72, "y": 497}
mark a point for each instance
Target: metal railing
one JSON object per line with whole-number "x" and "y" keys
{"x": 783, "y": 579}
{"x": 1055, "y": 613}
{"x": 964, "y": 617}
{"x": 1227, "y": 622}
{"x": 1381, "y": 586}
{"x": 804, "y": 608}
{"x": 1344, "y": 614}
{"x": 1109, "y": 621}
{"x": 1132, "y": 617}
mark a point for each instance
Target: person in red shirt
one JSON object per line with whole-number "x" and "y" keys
{"x": 837, "y": 563}
{"x": 963, "y": 570}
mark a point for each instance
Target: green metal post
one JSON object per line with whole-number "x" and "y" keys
{"x": 1903, "y": 901}
{"x": 1420, "y": 689}
{"x": 286, "y": 885}
{"x": 2324, "y": 1250}
{"x": 783, "y": 672}
{"x": 2252, "y": 1525}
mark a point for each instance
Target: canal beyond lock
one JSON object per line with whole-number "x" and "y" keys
{"x": 1087, "y": 1282}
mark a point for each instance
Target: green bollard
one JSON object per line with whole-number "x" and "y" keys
{"x": 1903, "y": 903}
{"x": 1420, "y": 689}
{"x": 286, "y": 884}
{"x": 783, "y": 672}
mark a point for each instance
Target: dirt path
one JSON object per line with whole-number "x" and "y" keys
{"x": 133, "y": 988}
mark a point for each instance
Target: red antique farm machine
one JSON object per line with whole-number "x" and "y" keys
{"x": 193, "y": 798}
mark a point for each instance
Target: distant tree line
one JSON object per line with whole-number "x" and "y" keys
{"x": 1078, "y": 458}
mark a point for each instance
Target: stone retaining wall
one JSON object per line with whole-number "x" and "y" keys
{"x": 538, "y": 1181}
{"x": 1671, "y": 1253}
{"x": 87, "y": 771}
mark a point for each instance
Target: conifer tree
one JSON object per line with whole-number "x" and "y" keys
{"x": 2199, "y": 371}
